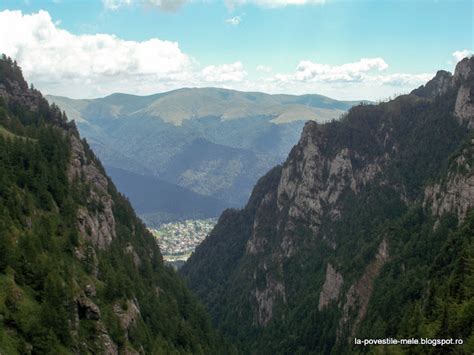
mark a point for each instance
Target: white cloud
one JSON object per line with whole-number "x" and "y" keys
{"x": 83, "y": 66}
{"x": 349, "y": 72}
{"x": 224, "y": 73}
{"x": 459, "y": 55}
{"x": 364, "y": 78}
{"x": 234, "y": 21}
{"x": 400, "y": 79}
{"x": 264, "y": 68}
{"x": 54, "y": 58}
{"x": 272, "y": 3}
{"x": 165, "y": 5}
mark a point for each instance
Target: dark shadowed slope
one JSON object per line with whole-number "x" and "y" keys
{"x": 150, "y": 195}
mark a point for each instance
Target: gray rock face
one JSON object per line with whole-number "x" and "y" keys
{"x": 87, "y": 309}
{"x": 331, "y": 288}
{"x": 17, "y": 94}
{"x": 96, "y": 225}
{"x": 105, "y": 341}
{"x": 439, "y": 85}
{"x": 129, "y": 315}
{"x": 454, "y": 194}
{"x": 464, "y": 108}
{"x": 463, "y": 76}
{"x": 464, "y": 70}
{"x": 131, "y": 251}
{"x": 358, "y": 295}
{"x": 312, "y": 182}
{"x": 266, "y": 299}
{"x": 309, "y": 189}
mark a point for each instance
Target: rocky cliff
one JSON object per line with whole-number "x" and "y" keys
{"x": 323, "y": 229}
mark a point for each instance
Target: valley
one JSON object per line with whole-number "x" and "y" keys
{"x": 191, "y": 153}
{"x": 178, "y": 240}
{"x": 238, "y": 177}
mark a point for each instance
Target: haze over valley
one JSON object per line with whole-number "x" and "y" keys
{"x": 190, "y": 153}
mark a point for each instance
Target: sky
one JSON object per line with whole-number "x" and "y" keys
{"x": 343, "y": 49}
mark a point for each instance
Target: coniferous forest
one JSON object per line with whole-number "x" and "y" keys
{"x": 60, "y": 293}
{"x": 174, "y": 179}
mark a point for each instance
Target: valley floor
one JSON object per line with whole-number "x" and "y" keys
{"x": 178, "y": 240}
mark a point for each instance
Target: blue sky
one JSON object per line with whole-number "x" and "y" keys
{"x": 343, "y": 49}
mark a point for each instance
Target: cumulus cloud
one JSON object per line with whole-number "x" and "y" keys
{"x": 459, "y": 55}
{"x": 54, "y": 56}
{"x": 272, "y": 3}
{"x": 59, "y": 62}
{"x": 165, "y": 5}
{"x": 310, "y": 71}
{"x": 224, "y": 73}
{"x": 365, "y": 70}
{"x": 234, "y": 21}
{"x": 365, "y": 78}
{"x": 400, "y": 79}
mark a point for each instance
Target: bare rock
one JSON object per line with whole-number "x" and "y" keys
{"x": 439, "y": 85}
{"x": 455, "y": 194}
{"x": 358, "y": 295}
{"x": 464, "y": 76}
{"x": 464, "y": 70}
{"x": 86, "y": 308}
{"x": 131, "y": 251}
{"x": 331, "y": 288}
{"x": 95, "y": 224}
{"x": 105, "y": 341}
{"x": 127, "y": 315}
{"x": 267, "y": 298}
{"x": 464, "y": 108}
{"x": 90, "y": 290}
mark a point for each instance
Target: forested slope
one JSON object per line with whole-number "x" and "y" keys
{"x": 365, "y": 231}
{"x": 79, "y": 272}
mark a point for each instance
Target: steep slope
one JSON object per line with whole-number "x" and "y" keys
{"x": 365, "y": 231}
{"x": 153, "y": 135}
{"x": 79, "y": 272}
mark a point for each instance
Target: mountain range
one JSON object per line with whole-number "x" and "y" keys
{"x": 213, "y": 143}
{"x": 366, "y": 231}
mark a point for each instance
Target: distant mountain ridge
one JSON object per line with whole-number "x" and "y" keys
{"x": 214, "y": 142}
{"x": 192, "y": 103}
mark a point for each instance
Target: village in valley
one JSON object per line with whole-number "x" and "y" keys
{"x": 177, "y": 240}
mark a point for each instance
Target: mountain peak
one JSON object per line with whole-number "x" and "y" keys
{"x": 439, "y": 85}
{"x": 464, "y": 69}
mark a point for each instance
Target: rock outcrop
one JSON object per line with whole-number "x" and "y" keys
{"x": 87, "y": 309}
{"x": 463, "y": 77}
{"x": 331, "y": 287}
{"x": 455, "y": 193}
{"x": 358, "y": 295}
{"x": 127, "y": 313}
{"x": 437, "y": 86}
{"x": 95, "y": 224}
